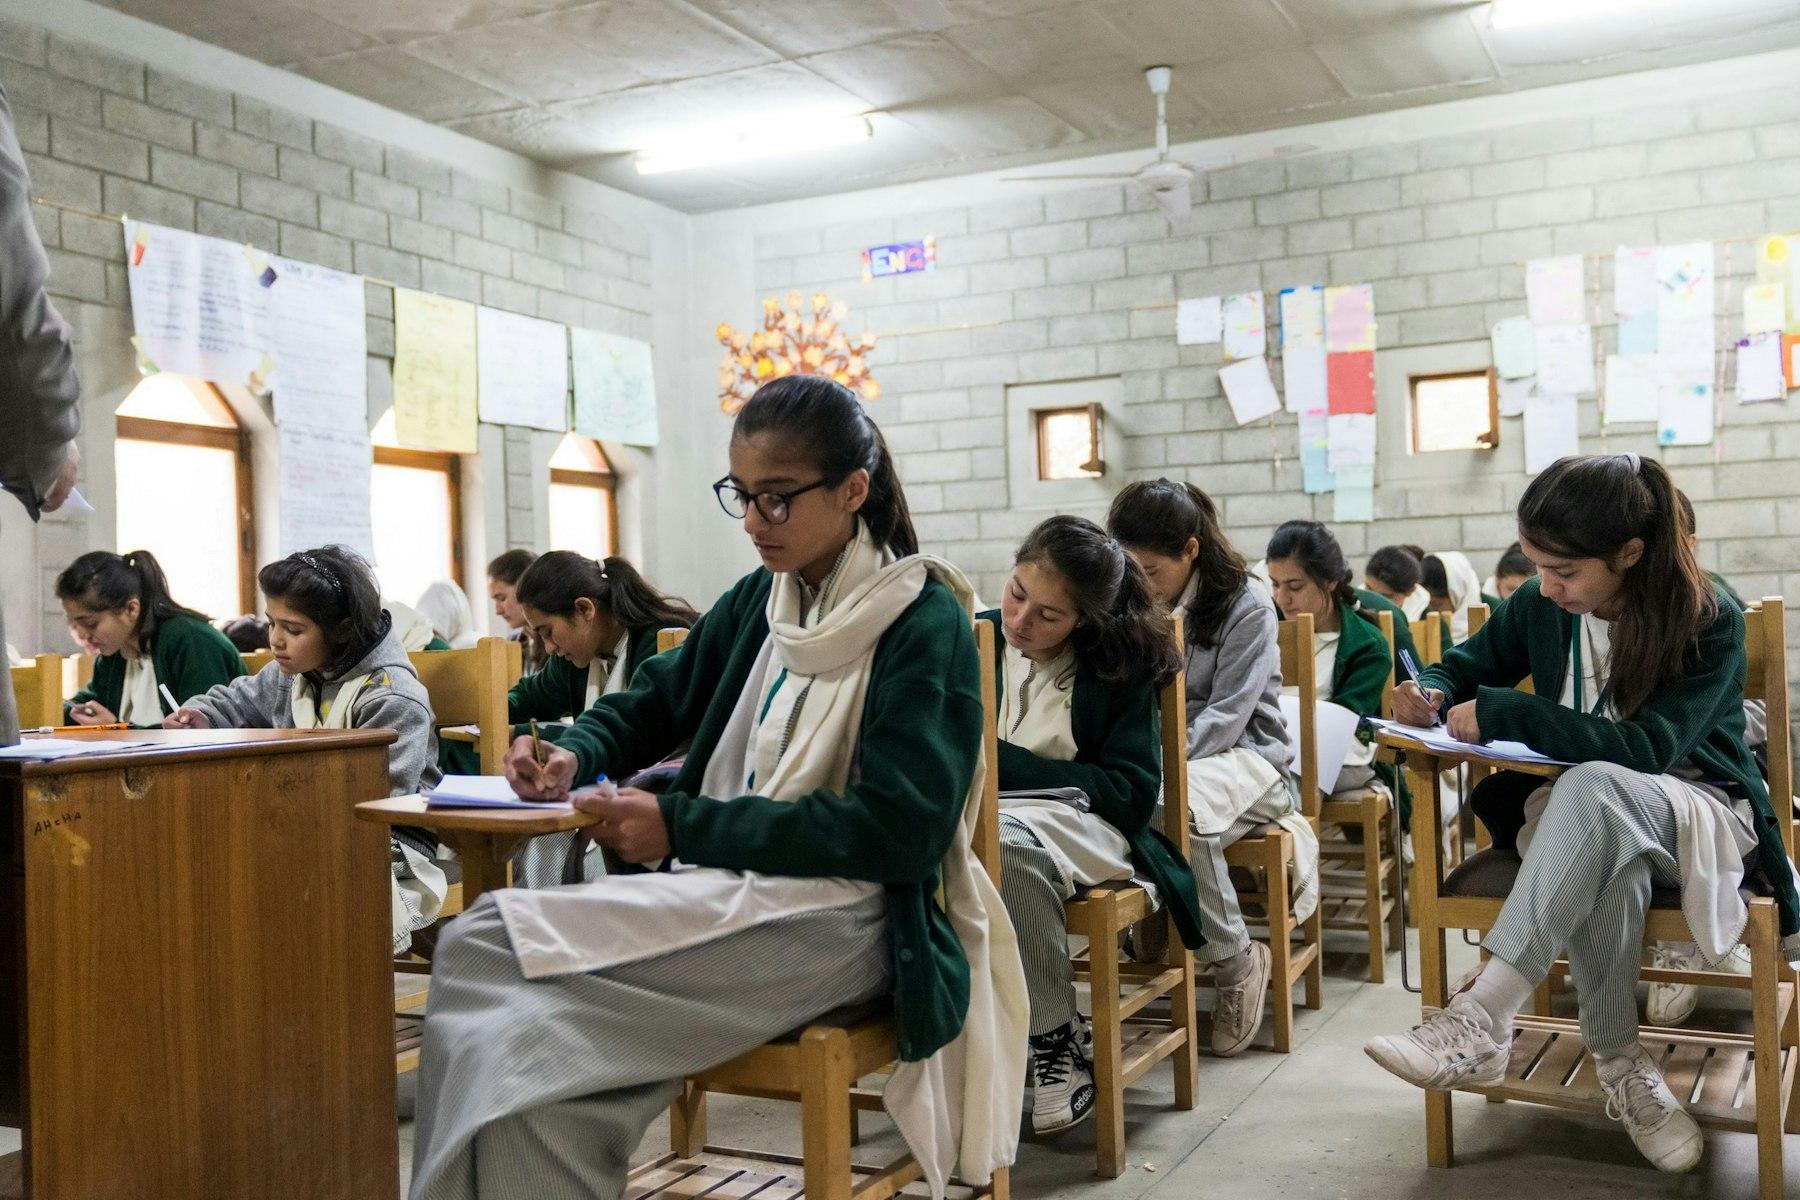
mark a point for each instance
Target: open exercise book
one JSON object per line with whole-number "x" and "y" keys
{"x": 45, "y": 748}
{"x": 484, "y": 791}
{"x": 1438, "y": 738}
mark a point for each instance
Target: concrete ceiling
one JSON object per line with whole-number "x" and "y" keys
{"x": 957, "y": 85}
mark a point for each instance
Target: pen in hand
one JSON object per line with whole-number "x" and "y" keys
{"x": 1412, "y": 671}
{"x": 537, "y": 751}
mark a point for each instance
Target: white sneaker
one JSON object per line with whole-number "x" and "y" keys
{"x": 1238, "y": 1012}
{"x": 1449, "y": 1049}
{"x": 1660, "y": 1128}
{"x": 1670, "y": 1004}
{"x": 1062, "y": 1077}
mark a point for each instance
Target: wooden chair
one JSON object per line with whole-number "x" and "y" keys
{"x": 820, "y": 1065}
{"x": 256, "y": 660}
{"x": 1366, "y": 898}
{"x": 1126, "y": 1044}
{"x": 468, "y": 687}
{"x": 37, "y": 691}
{"x": 1294, "y": 946}
{"x": 1746, "y": 1082}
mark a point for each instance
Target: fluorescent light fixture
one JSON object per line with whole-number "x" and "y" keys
{"x": 1517, "y": 14}
{"x": 771, "y": 137}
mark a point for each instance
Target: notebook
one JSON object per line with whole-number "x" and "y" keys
{"x": 485, "y": 791}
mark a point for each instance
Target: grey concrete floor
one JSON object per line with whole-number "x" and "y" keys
{"x": 1322, "y": 1121}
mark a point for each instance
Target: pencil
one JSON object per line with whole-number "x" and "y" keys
{"x": 168, "y": 698}
{"x": 537, "y": 750}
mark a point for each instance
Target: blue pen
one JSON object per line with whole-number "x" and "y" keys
{"x": 1412, "y": 671}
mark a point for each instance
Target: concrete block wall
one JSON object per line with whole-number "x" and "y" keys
{"x": 1081, "y": 283}
{"x": 105, "y": 134}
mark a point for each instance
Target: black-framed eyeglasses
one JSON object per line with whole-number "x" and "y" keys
{"x": 772, "y": 505}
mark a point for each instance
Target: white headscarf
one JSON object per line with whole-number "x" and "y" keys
{"x": 1464, "y": 586}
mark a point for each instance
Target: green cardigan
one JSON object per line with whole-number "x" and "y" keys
{"x": 1698, "y": 719}
{"x": 1374, "y": 603}
{"x": 1360, "y": 673}
{"x": 917, "y": 755}
{"x": 190, "y": 656}
{"x": 1118, "y": 763}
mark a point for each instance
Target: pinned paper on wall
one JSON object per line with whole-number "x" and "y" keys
{"x": 1761, "y": 371}
{"x": 1244, "y": 335}
{"x": 1513, "y": 395}
{"x": 524, "y": 370}
{"x": 1350, "y": 440}
{"x": 1302, "y": 316}
{"x": 1315, "y": 452}
{"x": 1350, "y": 318}
{"x": 1684, "y": 283}
{"x": 1249, "y": 389}
{"x": 1685, "y": 413}
{"x": 1555, "y": 291}
{"x": 434, "y": 372}
{"x": 615, "y": 388}
{"x": 1355, "y": 494}
{"x": 1765, "y": 308}
{"x": 1634, "y": 282}
{"x": 1790, "y": 353}
{"x": 1198, "y": 321}
{"x": 1565, "y": 359}
{"x": 1303, "y": 376}
{"x": 1350, "y": 383}
{"x": 320, "y": 347}
{"x": 1515, "y": 349}
{"x": 1778, "y": 262}
{"x": 1637, "y": 334}
{"x": 322, "y": 488}
{"x": 1688, "y": 347}
{"x": 1633, "y": 385}
{"x": 1552, "y": 431}
{"x": 199, "y": 305}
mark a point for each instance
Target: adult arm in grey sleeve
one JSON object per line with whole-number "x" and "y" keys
{"x": 1248, "y": 656}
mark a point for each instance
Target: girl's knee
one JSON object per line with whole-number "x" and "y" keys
{"x": 1591, "y": 786}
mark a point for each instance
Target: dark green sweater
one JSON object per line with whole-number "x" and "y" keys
{"x": 918, "y": 749}
{"x": 1374, "y": 603}
{"x": 190, "y": 656}
{"x": 1360, "y": 672}
{"x": 1118, "y": 764}
{"x": 1696, "y": 720}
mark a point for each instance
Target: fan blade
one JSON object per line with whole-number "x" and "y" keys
{"x": 1175, "y": 202}
{"x": 1037, "y": 178}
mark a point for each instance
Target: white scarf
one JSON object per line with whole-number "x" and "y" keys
{"x": 608, "y": 676}
{"x": 1464, "y": 586}
{"x": 335, "y": 713}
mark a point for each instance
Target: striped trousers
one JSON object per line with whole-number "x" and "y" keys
{"x": 1606, "y": 835}
{"x": 1033, "y": 890}
{"x": 541, "y": 1089}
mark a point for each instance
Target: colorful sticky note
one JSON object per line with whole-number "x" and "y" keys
{"x": 1350, "y": 383}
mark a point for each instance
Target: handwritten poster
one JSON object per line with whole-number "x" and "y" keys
{"x": 1244, "y": 334}
{"x": 1350, "y": 440}
{"x": 1633, "y": 387}
{"x": 1776, "y": 262}
{"x": 1302, "y": 316}
{"x": 1355, "y": 494}
{"x": 1513, "y": 395}
{"x": 1685, "y": 416}
{"x": 1350, "y": 318}
{"x": 1684, "y": 283}
{"x": 1303, "y": 376}
{"x": 199, "y": 305}
{"x": 434, "y": 372}
{"x": 615, "y": 388}
{"x": 1249, "y": 389}
{"x": 1315, "y": 451}
{"x": 1765, "y": 308}
{"x": 1515, "y": 350}
{"x": 1761, "y": 373}
{"x": 523, "y": 370}
{"x": 1555, "y": 291}
{"x": 324, "y": 488}
{"x": 1350, "y": 383}
{"x": 1565, "y": 359}
{"x": 320, "y": 347}
{"x": 1552, "y": 431}
{"x": 1198, "y": 321}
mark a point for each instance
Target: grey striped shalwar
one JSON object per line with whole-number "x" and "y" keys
{"x": 1607, "y": 833}
{"x": 1033, "y": 890}
{"x": 541, "y": 1089}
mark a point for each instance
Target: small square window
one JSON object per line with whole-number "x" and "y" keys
{"x": 1459, "y": 411}
{"x": 1068, "y": 442}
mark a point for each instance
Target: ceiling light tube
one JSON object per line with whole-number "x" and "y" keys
{"x": 769, "y": 139}
{"x": 1518, "y": 14}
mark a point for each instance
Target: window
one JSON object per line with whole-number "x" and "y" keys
{"x": 1459, "y": 411}
{"x": 584, "y": 514}
{"x": 1068, "y": 442}
{"x": 415, "y": 505}
{"x": 183, "y": 477}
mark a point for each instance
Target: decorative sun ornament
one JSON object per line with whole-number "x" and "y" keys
{"x": 794, "y": 341}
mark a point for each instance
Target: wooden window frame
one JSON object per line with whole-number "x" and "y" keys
{"x": 1488, "y": 441}
{"x": 215, "y": 437}
{"x": 600, "y": 481}
{"x": 450, "y": 466}
{"x": 1096, "y": 440}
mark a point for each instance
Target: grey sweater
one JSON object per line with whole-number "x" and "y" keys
{"x": 398, "y": 702}
{"x": 1234, "y": 685}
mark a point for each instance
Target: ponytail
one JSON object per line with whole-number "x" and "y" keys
{"x": 106, "y": 582}
{"x": 1122, "y": 635}
{"x": 824, "y": 420}
{"x": 555, "y": 581}
{"x": 1316, "y": 550}
{"x": 1590, "y": 507}
{"x": 1161, "y": 516}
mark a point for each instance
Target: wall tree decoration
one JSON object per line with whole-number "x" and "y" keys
{"x": 794, "y": 341}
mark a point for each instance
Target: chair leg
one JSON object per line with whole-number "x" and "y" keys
{"x": 826, "y": 1077}
{"x": 1000, "y": 1188}
{"x": 1543, "y": 996}
{"x": 1440, "y": 1142}
{"x": 1765, "y": 968}
{"x": 1790, "y": 1037}
{"x": 1109, "y": 1088}
{"x": 1372, "y": 805}
{"x": 1315, "y": 970}
{"x": 687, "y": 1121}
{"x": 1281, "y": 940}
{"x": 1183, "y": 1017}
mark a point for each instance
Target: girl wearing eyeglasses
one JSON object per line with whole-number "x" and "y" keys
{"x": 812, "y": 852}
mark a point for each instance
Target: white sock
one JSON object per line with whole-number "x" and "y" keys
{"x": 1500, "y": 992}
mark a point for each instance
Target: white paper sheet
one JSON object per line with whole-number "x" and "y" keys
{"x": 1350, "y": 440}
{"x": 1688, "y": 346}
{"x": 1684, "y": 283}
{"x": 1765, "y": 308}
{"x": 1244, "y": 335}
{"x": 1439, "y": 738}
{"x": 322, "y": 485}
{"x": 483, "y": 791}
{"x": 1249, "y": 389}
{"x": 1515, "y": 348}
{"x": 1350, "y": 325}
{"x": 1552, "y": 430}
{"x": 1565, "y": 359}
{"x": 1334, "y": 730}
{"x": 1760, "y": 373}
{"x": 615, "y": 388}
{"x": 1555, "y": 291}
{"x": 523, "y": 366}
{"x": 47, "y": 748}
{"x": 1198, "y": 321}
{"x": 1514, "y": 393}
{"x": 1633, "y": 388}
{"x": 1302, "y": 316}
{"x": 1353, "y": 499}
{"x": 1303, "y": 375}
{"x": 1685, "y": 412}
{"x": 320, "y": 335}
{"x": 1634, "y": 281}
{"x": 199, "y": 305}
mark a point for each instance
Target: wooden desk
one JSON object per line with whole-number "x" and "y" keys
{"x": 484, "y": 838}
{"x": 195, "y": 985}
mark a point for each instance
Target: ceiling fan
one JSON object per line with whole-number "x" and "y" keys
{"x": 1169, "y": 181}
